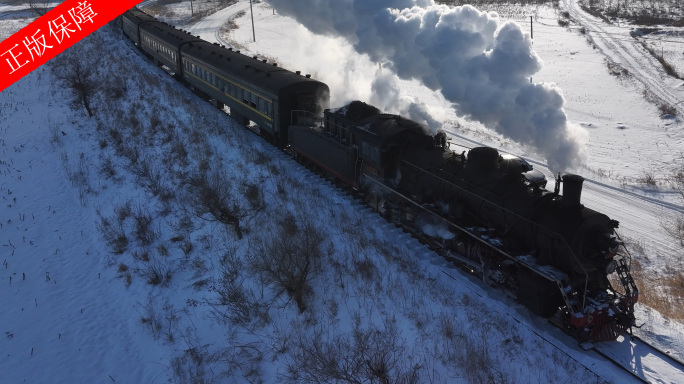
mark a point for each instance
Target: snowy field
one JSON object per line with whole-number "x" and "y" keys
{"x": 113, "y": 273}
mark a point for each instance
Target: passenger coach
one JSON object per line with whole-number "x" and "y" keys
{"x": 131, "y": 21}
{"x": 163, "y": 42}
{"x": 255, "y": 90}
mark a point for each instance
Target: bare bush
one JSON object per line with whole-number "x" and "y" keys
{"x": 160, "y": 321}
{"x": 211, "y": 198}
{"x": 143, "y": 228}
{"x": 107, "y": 168}
{"x": 478, "y": 365}
{"x": 114, "y": 234}
{"x": 678, "y": 178}
{"x": 157, "y": 272}
{"x": 647, "y": 178}
{"x": 254, "y": 196}
{"x": 78, "y": 175}
{"x": 190, "y": 366}
{"x": 152, "y": 180}
{"x": 236, "y": 303}
{"x": 286, "y": 259}
{"x": 364, "y": 356}
{"x": 79, "y": 77}
{"x": 673, "y": 224}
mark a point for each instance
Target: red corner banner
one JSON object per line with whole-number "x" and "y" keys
{"x": 54, "y": 32}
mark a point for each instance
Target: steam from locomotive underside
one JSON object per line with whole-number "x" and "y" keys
{"x": 477, "y": 62}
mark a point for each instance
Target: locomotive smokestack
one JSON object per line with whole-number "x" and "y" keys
{"x": 572, "y": 190}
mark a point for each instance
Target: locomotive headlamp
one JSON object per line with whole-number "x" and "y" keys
{"x": 610, "y": 267}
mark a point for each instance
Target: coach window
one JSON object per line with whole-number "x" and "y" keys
{"x": 254, "y": 100}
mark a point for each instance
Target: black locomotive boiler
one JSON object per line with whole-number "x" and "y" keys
{"x": 487, "y": 211}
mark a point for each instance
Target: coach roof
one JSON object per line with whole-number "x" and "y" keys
{"x": 137, "y": 16}
{"x": 168, "y": 34}
{"x": 250, "y": 69}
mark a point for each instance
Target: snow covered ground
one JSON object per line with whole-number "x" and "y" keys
{"x": 75, "y": 312}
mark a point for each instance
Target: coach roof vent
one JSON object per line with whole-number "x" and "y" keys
{"x": 230, "y": 49}
{"x": 264, "y": 60}
{"x": 308, "y": 76}
{"x": 299, "y": 72}
{"x": 275, "y": 64}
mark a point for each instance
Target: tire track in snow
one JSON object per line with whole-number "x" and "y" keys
{"x": 643, "y": 67}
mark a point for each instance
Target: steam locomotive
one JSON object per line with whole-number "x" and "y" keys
{"x": 488, "y": 212}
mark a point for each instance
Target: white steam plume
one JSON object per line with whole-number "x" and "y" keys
{"x": 387, "y": 97}
{"x": 478, "y": 63}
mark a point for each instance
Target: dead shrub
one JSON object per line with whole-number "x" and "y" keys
{"x": 114, "y": 234}
{"x": 236, "y": 303}
{"x": 287, "y": 258}
{"x": 211, "y": 198}
{"x": 143, "y": 228}
{"x": 364, "y": 356}
{"x": 157, "y": 272}
{"x": 647, "y": 178}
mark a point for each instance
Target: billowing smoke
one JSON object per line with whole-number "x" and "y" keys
{"x": 387, "y": 96}
{"x": 481, "y": 65}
